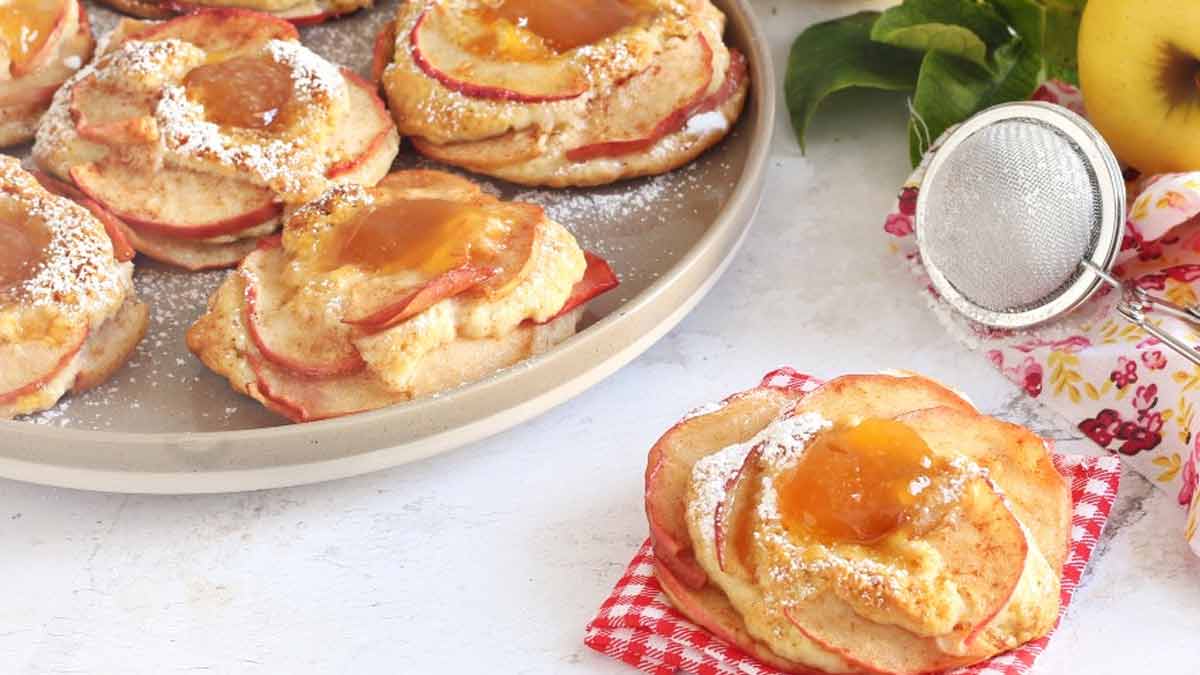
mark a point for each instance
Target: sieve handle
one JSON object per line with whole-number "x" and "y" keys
{"x": 1133, "y": 312}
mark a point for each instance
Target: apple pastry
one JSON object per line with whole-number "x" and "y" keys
{"x": 299, "y": 12}
{"x": 196, "y": 134}
{"x": 561, "y": 92}
{"x": 69, "y": 316}
{"x": 43, "y": 43}
{"x": 374, "y": 296}
{"x": 878, "y": 524}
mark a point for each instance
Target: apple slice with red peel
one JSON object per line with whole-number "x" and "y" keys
{"x": 597, "y": 279}
{"x": 669, "y": 470}
{"x": 654, "y": 103}
{"x": 439, "y": 57}
{"x": 163, "y": 202}
{"x": 307, "y": 346}
{"x": 123, "y": 251}
{"x": 383, "y": 51}
{"x": 366, "y": 144}
{"x": 305, "y": 399}
{"x": 304, "y": 14}
{"x": 709, "y": 608}
{"x": 31, "y": 364}
{"x": 984, "y": 553}
{"x": 852, "y": 397}
{"x": 226, "y": 30}
{"x": 1017, "y": 460}
{"x": 732, "y": 518}
{"x": 110, "y": 116}
{"x": 503, "y": 150}
{"x": 39, "y": 84}
{"x": 406, "y": 302}
{"x": 512, "y": 262}
{"x": 50, "y": 46}
{"x": 189, "y": 254}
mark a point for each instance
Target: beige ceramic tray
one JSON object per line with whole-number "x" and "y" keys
{"x": 165, "y": 424}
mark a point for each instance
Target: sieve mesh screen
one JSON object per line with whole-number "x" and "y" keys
{"x": 1010, "y": 215}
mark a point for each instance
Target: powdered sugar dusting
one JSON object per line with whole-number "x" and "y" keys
{"x": 78, "y": 270}
{"x": 311, "y": 74}
{"x": 282, "y": 165}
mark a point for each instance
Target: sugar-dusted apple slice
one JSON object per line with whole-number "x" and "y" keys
{"x": 878, "y": 395}
{"x": 174, "y": 202}
{"x": 597, "y": 279}
{"x": 655, "y": 102}
{"x": 709, "y": 608}
{"x": 503, "y": 150}
{"x": 46, "y": 25}
{"x": 122, "y": 248}
{"x": 383, "y": 51}
{"x": 110, "y": 116}
{"x": 305, "y": 399}
{"x": 365, "y": 145}
{"x": 287, "y": 337}
{"x": 395, "y": 303}
{"x": 112, "y": 345}
{"x": 984, "y": 551}
{"x": 478, "y": 76}
{"x": 32, "y": 363}
{"x": 669, "y": 470}
{"x": 74, "y": 47}
{"x": 1017, "y": 460}
{"x": 733, "y": 518}
{"x": 188, "y": 253}
{"x": 226, "y": 31}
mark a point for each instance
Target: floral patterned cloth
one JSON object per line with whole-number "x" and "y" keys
{"x": 1119, "y": 386}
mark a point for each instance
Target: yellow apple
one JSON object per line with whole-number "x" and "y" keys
{"x": 1139, "y": 67}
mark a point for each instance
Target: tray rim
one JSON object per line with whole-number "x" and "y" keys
{"x": 364, "y": 442}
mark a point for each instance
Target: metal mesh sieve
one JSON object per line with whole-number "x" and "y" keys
{"x": 1011, "y": 215}
{"x": 1014, "y": 205}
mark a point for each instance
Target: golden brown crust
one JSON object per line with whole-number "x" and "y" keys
{"x": 289, "y": 331}
{"x": 585, "y": 140}
{"x": 1033, "y": 515}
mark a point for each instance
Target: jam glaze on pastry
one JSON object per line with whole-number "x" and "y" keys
{"x": 69, "y": 317}
{"x": 299, "y": 12}
{"x": 199, "y": 132}
{"x": 378, "y": 295}
{"x": 42, "y": 43}
{"x": 878, "y": 524}
{"x": 561, "y": 92}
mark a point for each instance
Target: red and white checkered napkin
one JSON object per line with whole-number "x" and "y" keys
{"x": 638, "y": 625}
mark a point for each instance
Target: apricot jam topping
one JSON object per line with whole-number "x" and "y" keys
{"x": 432, "y": 236}
{"x": 560, "y": 25}
{"x": 26, "y": 24}
{"x": 246, "y": 92}
{"x": 854, "y": 485}
{"x": 22, "y": 249}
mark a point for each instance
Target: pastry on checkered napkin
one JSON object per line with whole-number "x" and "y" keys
{"x": 877, "y": 524}
{"x": 561, "y": 92}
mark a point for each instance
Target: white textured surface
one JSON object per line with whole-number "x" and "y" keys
{"x": 493, "y": 558}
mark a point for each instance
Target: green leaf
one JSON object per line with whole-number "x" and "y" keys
{"x": 1062, "y": 37}
{"x": 835, "y": 55}
{"x": 1052, "y": 27}
{"x": 949, "y": 90}
{"x": 965, "y": 28}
